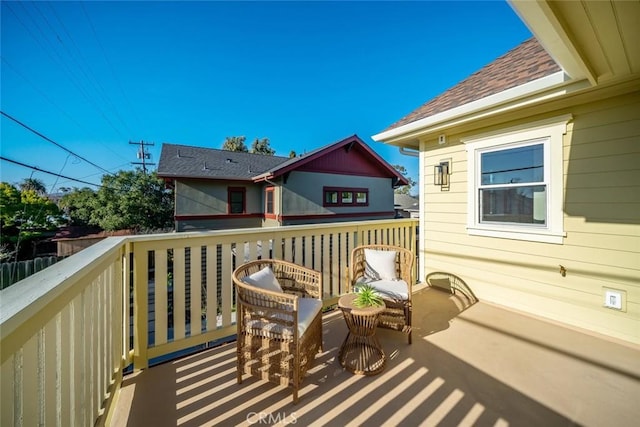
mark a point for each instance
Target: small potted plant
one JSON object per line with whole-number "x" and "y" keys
{"x": 367, "y": 296}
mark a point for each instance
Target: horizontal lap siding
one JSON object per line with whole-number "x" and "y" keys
{"x": 601, "y": 221}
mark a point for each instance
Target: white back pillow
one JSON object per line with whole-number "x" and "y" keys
{"x": 264, "y": 279}
{"x": 380, "y": 265}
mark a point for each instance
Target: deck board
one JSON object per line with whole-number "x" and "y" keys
{"x": 469, "y": 364}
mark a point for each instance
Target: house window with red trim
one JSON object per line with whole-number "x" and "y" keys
{"x": 269, "y": 198}
{"x": 362, "y": 197}
{"x": 330, "y": 197}
{"x": 237, "y": 201}
{"x": 346, "y": 198}
{"x": 334, "y": 196}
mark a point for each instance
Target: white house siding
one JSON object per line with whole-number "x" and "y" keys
{"x": 601, "y": 220}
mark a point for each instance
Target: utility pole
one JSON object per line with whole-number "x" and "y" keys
{"x": 143, "y": 154}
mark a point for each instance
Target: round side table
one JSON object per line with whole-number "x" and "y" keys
{"x": 361, "y": 352}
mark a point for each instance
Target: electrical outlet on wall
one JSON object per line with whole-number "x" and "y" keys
{"x": 615, "y": 299}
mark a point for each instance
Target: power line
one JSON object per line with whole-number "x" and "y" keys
{"x": 52, "y": 102}
{"x": 45, "y": 171}
{"x": 115, "y": 168}
{"x": 73, "y": 78}
{"x": 53, "y": 142}
{"x": 113, "y": 73}
{"x": 97, "y": 86}
{"x": 43, "y": 94}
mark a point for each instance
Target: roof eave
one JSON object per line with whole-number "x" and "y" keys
{"x": 544, "y": 24}
{"x": 202, "y": 177}
{"x": 545, "y": 88}
{"x": 263, "y": 177}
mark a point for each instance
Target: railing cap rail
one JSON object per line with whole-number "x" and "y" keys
{"x": 266, "y": 230}
{"x": 19, "y": 301}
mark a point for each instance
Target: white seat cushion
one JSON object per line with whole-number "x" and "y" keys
{"x": 264, "y": 279}
{"x": 388, "y": 289}
{"x": 308, "y": 308}
{"x": 380, "y": 265}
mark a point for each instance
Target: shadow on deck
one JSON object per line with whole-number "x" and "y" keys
{"x": 469, "y": 364}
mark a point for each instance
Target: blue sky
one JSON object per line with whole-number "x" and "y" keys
{"x": 94, "y": 76}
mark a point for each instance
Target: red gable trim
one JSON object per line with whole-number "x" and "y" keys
{"x": 354, "y": 161}
{"x": 335, "y": 159}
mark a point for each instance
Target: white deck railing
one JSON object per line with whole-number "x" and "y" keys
{"x": 69, "y": 331}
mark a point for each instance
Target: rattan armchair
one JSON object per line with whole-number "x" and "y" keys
{"x": 279, "y": 333}
{"x": 396, "y": 291}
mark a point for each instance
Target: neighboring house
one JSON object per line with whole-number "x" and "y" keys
{"x": 530, "y": 170}
{"x": 215, "y": 189}
{"x": 406, "y": 206}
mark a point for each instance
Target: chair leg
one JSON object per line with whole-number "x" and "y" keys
{"x": 296, "y": 377}
{"x": 239, "y": 362}
{"x": 408, "y": 313}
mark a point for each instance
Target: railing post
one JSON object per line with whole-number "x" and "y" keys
{"x": 140, "y": 308}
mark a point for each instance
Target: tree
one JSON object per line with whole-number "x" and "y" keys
{"x": 9, "y": 205}
{"x": 235, "y": 143}
{"x": 127, "y": 200}
{"x": 24, "y": 216}
{"x": 38, "y": 212}
{"x": 78, "y": 205}
{"x": 262, "y": 146}
{"x": 26, "y": 209}
{"x": 33, "y": 184}
{"x": 405, "y": 189}
{"x": 133, "y": 200}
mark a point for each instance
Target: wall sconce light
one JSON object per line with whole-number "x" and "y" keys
{"x": 441, "y": 174}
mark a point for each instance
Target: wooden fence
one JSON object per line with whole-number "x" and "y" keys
{"x": 12, "y": 272}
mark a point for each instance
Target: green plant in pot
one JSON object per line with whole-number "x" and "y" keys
{"x": 367, "y": 296}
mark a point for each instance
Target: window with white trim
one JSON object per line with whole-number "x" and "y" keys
{"x": 516, "y": 184}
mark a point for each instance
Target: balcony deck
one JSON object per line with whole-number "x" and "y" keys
{"x": 469, "y": 364}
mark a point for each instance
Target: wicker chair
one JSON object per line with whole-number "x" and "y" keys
{"x": 395, "y": 292}
{"x": 279, "y": 333}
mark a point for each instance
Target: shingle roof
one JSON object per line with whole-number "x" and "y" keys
{"x": 526, "y": 62}
{"x": 405, "y": 201}
{"x": 183, "y": 161}
{"x": 197, "y": 162}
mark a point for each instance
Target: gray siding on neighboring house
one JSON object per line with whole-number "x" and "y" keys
{"x": 303, "y": 194}
{"x": 210, "y": 197}
{"x": 269, "y": 222}
{"x": 217, "y": 224}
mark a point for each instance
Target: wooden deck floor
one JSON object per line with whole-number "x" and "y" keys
{"x": 469, "y": 364}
